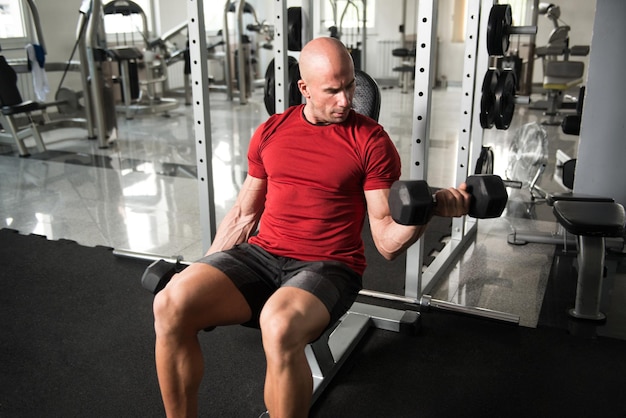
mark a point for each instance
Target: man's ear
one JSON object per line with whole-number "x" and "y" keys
{"x": 303, "y": 88}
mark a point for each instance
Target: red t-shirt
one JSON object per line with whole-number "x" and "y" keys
{"x": 316, "y": 175}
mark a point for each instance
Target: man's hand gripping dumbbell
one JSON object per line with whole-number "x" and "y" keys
{"x": 412, "y": 203}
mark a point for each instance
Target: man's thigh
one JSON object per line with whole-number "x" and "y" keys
{"x": 333, "y": 283}
{"x": 252, "y": 272}
{"x": 207, "y": 297}
{"x": 258, "y": 274}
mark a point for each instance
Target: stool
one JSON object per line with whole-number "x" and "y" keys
{"x": 591, "y": 222}
{"x": 407, "y": 69}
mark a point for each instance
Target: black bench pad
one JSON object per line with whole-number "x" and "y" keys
{"x": 28, "y": 106}
{"x": 576, "y": 197}
{"x": 600, "y": 219}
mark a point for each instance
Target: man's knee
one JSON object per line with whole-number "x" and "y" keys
{"x": 280, "y": 331}
{"x": 169, "y": 309}
{"x": 285, "y": 328}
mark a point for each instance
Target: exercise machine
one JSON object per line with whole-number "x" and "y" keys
{"x": 560, "y": 73}
{"x": 139, "y": 95}
{"x": 241, "y": 60}
{"x": 354, "y": 37}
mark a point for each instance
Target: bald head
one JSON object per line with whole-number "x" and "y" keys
{"x": 324, "y": 55}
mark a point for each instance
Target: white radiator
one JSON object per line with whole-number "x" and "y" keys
{"x": 25, "y": 86}
{"x": 385, "y": 61}
{"x": 175, "y": 75}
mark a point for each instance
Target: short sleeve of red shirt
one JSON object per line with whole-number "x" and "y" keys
{"x": 255, "y": 163}
{"x": 382, "y": 162}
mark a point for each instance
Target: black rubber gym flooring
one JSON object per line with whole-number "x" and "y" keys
{"x": 76, "y": 340}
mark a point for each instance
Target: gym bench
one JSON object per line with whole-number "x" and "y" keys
{"x": 559, "y": 77}
{"x": 591, "y": 222}
{"x": 14, "y": 110}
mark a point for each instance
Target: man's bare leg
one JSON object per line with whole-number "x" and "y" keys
{"x": 199, "y": 297}
{"x": 291, "y": 319}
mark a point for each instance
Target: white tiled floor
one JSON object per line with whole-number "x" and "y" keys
{"x": 141, "y": 194}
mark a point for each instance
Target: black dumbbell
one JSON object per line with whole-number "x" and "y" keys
{"x": 412, "y": 202}
{"x": 158, "y": 274}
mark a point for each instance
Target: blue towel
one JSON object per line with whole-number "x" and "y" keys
{"x": 40, "y": 54}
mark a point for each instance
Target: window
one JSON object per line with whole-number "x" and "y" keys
{"x": 133, "y": 24}
{"x": 213, "y": 17}
{"x": 11, "y": 19}
{"x": 348, "y": 14}
{"x": 521, "y": 11}
{"x": 459, "y": 19}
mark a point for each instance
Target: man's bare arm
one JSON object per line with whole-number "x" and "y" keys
{"x": 390, "y": 238}
{"x": 242, "y": 219}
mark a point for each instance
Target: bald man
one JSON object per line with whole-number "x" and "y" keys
{"x": 315, "y": 171}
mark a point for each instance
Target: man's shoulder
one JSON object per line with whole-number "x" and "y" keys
{"x": 365, "y": 124}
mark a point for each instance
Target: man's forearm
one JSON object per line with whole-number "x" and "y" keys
{"x": 396, "y": 238}
{"x": 234, "y": 229}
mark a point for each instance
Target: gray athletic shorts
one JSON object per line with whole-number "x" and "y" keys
{"x": 258, "y": 274}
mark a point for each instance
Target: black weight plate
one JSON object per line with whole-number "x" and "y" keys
{"x": 294, "y": 28}
{"x": 269, "y": 89}
{"x": 500, "y": 19}
{"x": 490, "y": 82}
{"x": 505, "y": 100}
{"x": 487, "y": 104}
{"x": 295, "y": 97}
{"x": 484, "y": 164}
{"x": 293, "y": 93}
{"x": 487, "y": 101}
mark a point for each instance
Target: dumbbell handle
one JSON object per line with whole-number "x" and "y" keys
{"x": 513, "y": 184}
{"x": 521, "y": 30}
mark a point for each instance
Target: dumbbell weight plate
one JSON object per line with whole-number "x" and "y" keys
{"x": 157, "y": 275}
{"x": 489, "y": 196}
{"x": 410, "y": 202}
{"x": 488, "y": 99}
{"x": 505, "y": 100}
{"x": 500, "y": 20}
